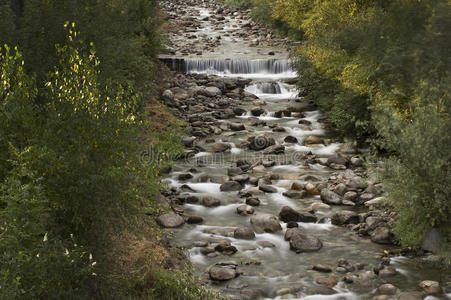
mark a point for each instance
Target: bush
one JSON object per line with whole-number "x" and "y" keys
{"x": 418, "y": 179}
{"x": 36, "y": 263}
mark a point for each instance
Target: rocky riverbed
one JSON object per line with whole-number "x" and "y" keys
{"x": 266, "y": 202}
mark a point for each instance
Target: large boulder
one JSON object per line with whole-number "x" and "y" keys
{"x": 244, "y": 233}
{"x": 329, "y": 281}
{"x": 170, "y": 220}
{"x": 302, "y": 242}
{"x": 288, "y": 214}
{"x": 210, "y": 202}
{"x": 210, "y": 91}
{"x": 219, "y": 147}
{"x": 382, "y": 235}
{"x": 237, "y": 126}
{"x": 267, "y": 188}
{"x": 290, "y": 139}
{"x": 260, "y": 142}
{"x": 337, "y": 160}
{"x": 266, "y": 223}
{"x": 430, "y": 287}
{"x": 223, "y": 272}
{"x": 330, "y": 197}
{"x": 294, "y": 194}
{"x": 313, "y": 140}
{"x": 258, "y": 111}
{"x": 356, "y": 183}
{"x": 231, "y": 186}
{"x": 345, "y": 217}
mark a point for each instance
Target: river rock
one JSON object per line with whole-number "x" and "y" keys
{"x": 170, "y": 220}
{"x": 219, "y": 147}
{"x": 223, "y": 273}
{"x": 188, "y": 141}
{"x": 240, "y": 178}
{"x": 290, "y": 139}
{"x": 337, "y": 160}
{"x": 356, "y": 183}
{"x": 274, "y": 149}
{"x": 266, "y": 223}
{"x": 387, "y": 271}
{"x": 410, "y": 296}
{"x": 329, "y": 281}
{"x": 387, "y": 289}
{"x": 194, "y": 220}
{"x": 350, "y": 196}
{"x": 225, "y": 247}
{"x": 237, "y": 284}
{"x": 340, "y": 189}
{"x": 382, "y": 235}
{"x": 167, "y": 97}
{"x": 266, "y": 244}
{"x": 244, "y": 233}
{"x": 238, "y": 111}
{"x": 293, "y": 194}
{"x": 375, "y": 202}
{"x": 251, "y": 294}
{"x": 184, "y": 176}
{"x": 288, "y": 214}
{"x": 245, "y": 210}
{"x": 311, "y": 189}
{"x": 430, "y": 287}
{"x": 267, "y": 188}
{"x": 234, "y": 171}
{"x": 345, "y": 217}
{"x": 312, "y": 140}
{"x": 210, "y": 91}
{"x": 253, "y": 201}
{"x": 210, "y": 202}
{"x": 373, "y": 222}
{"x": 231, "y": 186}
{"x": 318, "y": 206}
{"x": 297, "y": 186}
{"x": 302, "y": 242}
{"x": 330, "y": 197}
{"x": 237, "y": 127}
{"x": 260, "y": 142}
{"x": 258, "y": 111}
{"x": 322, "y": 268}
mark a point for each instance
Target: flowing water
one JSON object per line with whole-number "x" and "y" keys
{"x": 270, "y": 269}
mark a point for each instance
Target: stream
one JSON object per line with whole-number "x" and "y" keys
{"x": 291, "y": 169}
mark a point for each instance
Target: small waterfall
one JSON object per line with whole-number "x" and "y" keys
{"x": 238, "y": 66}
{"x": 230, "y": 66}
{"x": 265, "y": 88}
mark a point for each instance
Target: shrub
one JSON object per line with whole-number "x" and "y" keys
{"x": 418, "y": 179}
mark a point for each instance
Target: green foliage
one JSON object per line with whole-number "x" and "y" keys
{"x": 172, "y": 285}
{"x": 124, "y": 33}
{"x": 70, "y": 167}
{"x": 71, "y": 119}
{"x": 7, "y": 26}
{"x": 238, "y": 3}
{"x": 380, "y": 70}
{"x": 35, "y": 263}
{"x": 418, "y": 179}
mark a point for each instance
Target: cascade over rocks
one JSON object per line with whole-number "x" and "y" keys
{"x": 253, "y": 167}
